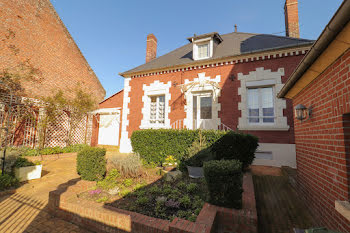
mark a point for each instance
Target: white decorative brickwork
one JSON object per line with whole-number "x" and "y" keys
{"x": 262, "y": 78}
{"x": 125, "y": 143}
{"x": 155, "y": 89}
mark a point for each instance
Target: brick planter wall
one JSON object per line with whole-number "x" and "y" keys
{"x": 98, "y": 217}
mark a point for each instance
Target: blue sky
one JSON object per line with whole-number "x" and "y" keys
{"x": 112, "y": 33}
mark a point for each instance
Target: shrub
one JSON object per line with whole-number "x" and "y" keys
{"x": 192, "y": 187}
{"x": 31, "y": 152}
{"x": 74, "y": 148}
{"x": 185, "y": 201}
{"x": 7, "y": 181}
{"x": 128, "y": 182}
{"x": 91, "y": 163}
{"x": 224, "y": 181}
{"x": 142, "y": 200}
{"x": 110, "y": 181}
{"x": 51, "y": 150}
{"x": 154, "y": 145}
{"x": 129, "y": 166}
{"x": 236, "y": 146}
{"x": 23, "y": 162}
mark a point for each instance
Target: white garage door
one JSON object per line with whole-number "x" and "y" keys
{"x": 108, "y": 133}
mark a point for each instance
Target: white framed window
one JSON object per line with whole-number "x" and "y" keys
{"x": 203, "y": 50}
{"x": 157, "y": 109}
{"x": 260, "y": 105}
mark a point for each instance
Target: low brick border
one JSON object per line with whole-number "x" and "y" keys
{"x": 50, "y": 157}
{"x": 64, "y": 203}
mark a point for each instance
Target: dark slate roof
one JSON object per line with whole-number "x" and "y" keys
{"x": 233, "y": 44}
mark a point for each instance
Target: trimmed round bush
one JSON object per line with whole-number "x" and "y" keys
{"x": 91, "y": 163}
{"x": 224, "y": 180}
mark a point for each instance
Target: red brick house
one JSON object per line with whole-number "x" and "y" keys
{"x": 219, "y": 82}
{"x": 31, "y": 31}
{"x": 320, "y": 90}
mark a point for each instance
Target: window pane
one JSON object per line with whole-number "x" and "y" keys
{"x": 161, "y": 109}
{"x": 153, "y": 110}
{"x": 267, "y": 97}
{"x": 253, "y": 105}
{"x": 203, "y": 50}
{"x": 254, "y": 115}
{"x": 206, "y": 103}
{"x": 157, "y": 111}
{"x": 195, "y": 107}
{"x": 267, "y": 105}
{"x": 253, "y": 98}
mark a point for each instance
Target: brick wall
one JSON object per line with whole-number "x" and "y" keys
{"x": 229, "y": 98}
{"x": 115, "y": 101}
{"x": 31, "y": 29}
{"x": 322, "y": 143}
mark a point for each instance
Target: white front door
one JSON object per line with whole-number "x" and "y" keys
{"x": 203, "y": 111}
{"x": 108, "y": 133}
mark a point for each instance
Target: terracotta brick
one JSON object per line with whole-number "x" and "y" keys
{"x": 35, "y": 31}
{"x": 322, "y": 155}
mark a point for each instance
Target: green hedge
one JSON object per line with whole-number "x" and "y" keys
{"x": 236, "y": 146}
{"x": 91, "y": 163}
{"x": 224, "y": 182}
{"x": 154, "y": 145}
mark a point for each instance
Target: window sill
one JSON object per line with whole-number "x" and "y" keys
{"x": 263, "y": 127}
{"x": 343, "y": 207}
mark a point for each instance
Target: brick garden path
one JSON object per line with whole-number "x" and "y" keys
{"x": 278, "y": 205}
{"x": 26, "y": 210}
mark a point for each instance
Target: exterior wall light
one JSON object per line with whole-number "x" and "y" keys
{"x": 302, "y": 112}
{"x": 232, "y": 77}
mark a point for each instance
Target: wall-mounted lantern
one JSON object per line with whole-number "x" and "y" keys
{"x": 302, "y": 112}
{"x": 232, "y": 77}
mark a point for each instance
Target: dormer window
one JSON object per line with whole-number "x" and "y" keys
{"x": 203, "y": 45}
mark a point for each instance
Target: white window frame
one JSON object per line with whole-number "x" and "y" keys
{"x": 155, "y": 89}
{"x": 262, "y": 78}
{"x": 261, "y": 117}
{"x": 158, "y": 121}
{"x": 199, "y": 42}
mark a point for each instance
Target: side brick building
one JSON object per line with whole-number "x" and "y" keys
{"x": 31, "y": 32}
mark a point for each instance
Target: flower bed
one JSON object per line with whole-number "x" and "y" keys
{"x": 182, "y": 198}
{"x": 105, "y": 218}
{"x": 114, "y": 187}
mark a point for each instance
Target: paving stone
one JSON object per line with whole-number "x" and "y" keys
{"x": 26, "y": 210}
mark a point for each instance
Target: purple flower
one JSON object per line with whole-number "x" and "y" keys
{"x": 172, "y": 204}
{"x": 96, "y": 191}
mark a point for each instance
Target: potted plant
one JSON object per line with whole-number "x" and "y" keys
{"x": 26, "y": 170}
{"x": 195, "y": 163}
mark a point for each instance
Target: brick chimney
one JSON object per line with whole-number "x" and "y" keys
{"x": 291, "y": 18}
{"x": 151, "y": 50}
